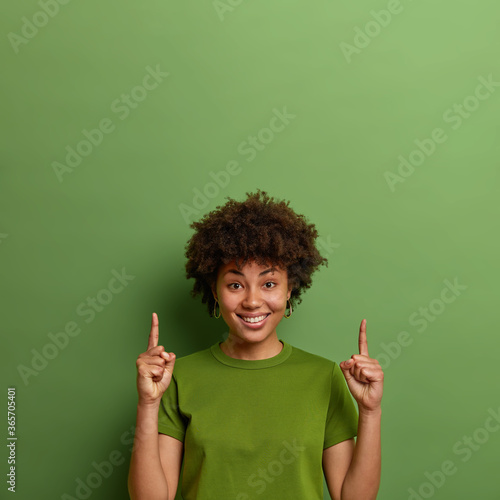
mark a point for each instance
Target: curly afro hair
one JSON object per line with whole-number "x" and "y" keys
{"x": 257, "y": 229}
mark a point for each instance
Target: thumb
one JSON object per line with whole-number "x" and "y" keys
{"x": 169, "y": 357}
{"x": 345, "y": 367}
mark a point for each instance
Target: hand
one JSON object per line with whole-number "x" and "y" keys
{"x": 154, "y": 368}
{"x": 364, "y": 375}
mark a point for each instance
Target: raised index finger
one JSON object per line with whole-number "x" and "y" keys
{"x": 362, "y": 342}
{"x": 154, "y": 333}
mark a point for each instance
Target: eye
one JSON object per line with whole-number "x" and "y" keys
{"x": 231, "y": 284}
{"x": 271, "y": 282}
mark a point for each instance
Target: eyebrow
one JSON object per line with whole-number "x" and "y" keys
{"x": 235, "y": 271}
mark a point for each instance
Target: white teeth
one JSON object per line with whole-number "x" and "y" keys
{"x": 254, "y": 320}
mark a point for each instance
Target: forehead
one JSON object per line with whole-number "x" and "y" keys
{"x": 250, "y": 268}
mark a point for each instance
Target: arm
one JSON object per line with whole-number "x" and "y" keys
{"x": 146, "y": 479}
{"x": 156, "y": 458}
{"x": 362, "y": 480}
{"x": 336, "y": 461}
{"x": 352, "y": 470}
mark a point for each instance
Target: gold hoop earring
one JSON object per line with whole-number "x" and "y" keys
{"x": 290, "y": 304}
{"x": 215, "y": 305}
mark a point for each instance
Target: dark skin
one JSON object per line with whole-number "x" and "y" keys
{"x": 352, "y": 469}
{"x": 252, "y": 291}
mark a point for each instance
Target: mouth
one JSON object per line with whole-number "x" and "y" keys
{"x": 255, "y": 322}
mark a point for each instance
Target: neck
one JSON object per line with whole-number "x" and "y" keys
{"x": 239, "y": 349}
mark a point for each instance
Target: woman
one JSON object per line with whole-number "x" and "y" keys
{"x": 253, "y": 416}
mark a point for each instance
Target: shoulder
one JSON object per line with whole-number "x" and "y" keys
{"x": 314, "y": 360}
{"x": 194, "y": 357}
{"x": 195, "y": 361}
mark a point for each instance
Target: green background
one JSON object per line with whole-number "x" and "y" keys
{"x": 390, "y": 250}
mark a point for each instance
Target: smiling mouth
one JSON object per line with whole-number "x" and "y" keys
{"x": 256, "y": 319}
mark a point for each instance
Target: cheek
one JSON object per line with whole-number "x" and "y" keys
{"x": 278, "y": 301}
{"x": 227, "y": 300}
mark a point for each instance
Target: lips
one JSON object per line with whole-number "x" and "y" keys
{"x": 258, "y": 323}
{"x": 252, "y": 315}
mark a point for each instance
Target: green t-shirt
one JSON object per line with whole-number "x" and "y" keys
{"x": 256, "y": 429}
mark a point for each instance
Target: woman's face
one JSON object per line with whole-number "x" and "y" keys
{"x": 252, "y": 291}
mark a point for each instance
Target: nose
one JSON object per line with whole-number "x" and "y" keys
{"x": 252, "y": 298}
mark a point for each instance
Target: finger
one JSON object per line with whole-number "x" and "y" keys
{"x": 346, "y": 366}
{"x": 370, "y": 375}
{"x": 153, "y": 352}
{"x": 154, "y": 360}
{"x": 151, "y": 371}
{"x": 363, "y": 358}
{"x": 167, "y": 356}
{"x": 368, "y": 370}
{"x": 362, "y": 342}
{"x": 169, "y": 368}
{"x": 154, "y": 333}
{"x": 360, "y": 374}
{"x": 169, "y": 361}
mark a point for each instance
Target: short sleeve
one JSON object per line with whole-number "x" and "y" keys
{"x": 342, "y": 416}
{"x": 170, "y": 419}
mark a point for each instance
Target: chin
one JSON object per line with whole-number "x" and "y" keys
{"x": 253, "y": 337}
